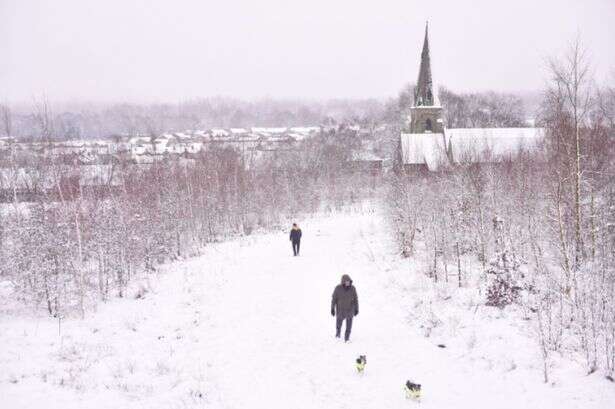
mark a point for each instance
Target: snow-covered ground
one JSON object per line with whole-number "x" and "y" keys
{"x": 247, "y": 325}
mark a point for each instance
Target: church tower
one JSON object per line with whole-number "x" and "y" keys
{"x": 426, "y": 112}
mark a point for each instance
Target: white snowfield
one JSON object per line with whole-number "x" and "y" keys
{"x": 247, "y": 325}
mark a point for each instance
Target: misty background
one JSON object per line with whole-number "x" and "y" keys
{"x": 162, "y": 51}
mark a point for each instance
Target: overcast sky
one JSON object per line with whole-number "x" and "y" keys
{"x": 169, "y": 50}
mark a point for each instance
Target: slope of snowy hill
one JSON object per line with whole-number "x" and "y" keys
{"x": 247, "y": 325}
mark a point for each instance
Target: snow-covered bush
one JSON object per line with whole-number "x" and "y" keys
{"x": 501, "y": 292}
{"x": 503, "y": 286}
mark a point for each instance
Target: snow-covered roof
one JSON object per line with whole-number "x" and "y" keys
{"x": 490, "y": 144}
{"x": 423, "y": 149}
{"x": 268, "y": 130}
{"x": 471, "y": 145}
{"x": 135, "y": 140}
{"x": 279, "y": 138}
{"x": 305, "y": 129}
{"x": 219, "y": 132}
{"x": 296, "y": 136}
{"x": 248, "y": 137}
{"x": 365, "y": 156}
{"x": 68, "y": 144}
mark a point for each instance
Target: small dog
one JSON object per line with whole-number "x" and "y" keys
{"x": 413, "y": 390}
{"x": 361, "y": 361}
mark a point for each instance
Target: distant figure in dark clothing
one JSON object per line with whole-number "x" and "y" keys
{"x": 344, "y": 304}
{"x": 295, "y": 238}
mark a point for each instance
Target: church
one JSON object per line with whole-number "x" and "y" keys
{"x": 427, "y": 144}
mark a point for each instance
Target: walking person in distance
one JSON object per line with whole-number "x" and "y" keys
{"x": 295, "y": 238}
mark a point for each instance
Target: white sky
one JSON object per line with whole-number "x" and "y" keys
{"x": 168, "y": 50}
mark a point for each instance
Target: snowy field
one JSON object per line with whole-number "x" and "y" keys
{"x": 247, "y": 325}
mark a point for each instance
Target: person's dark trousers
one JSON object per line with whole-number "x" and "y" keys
{"x": 338, "y": 326}
{"x": 296, "y": 244}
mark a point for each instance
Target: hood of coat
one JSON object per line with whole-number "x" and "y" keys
{"x": 346, "y": 277}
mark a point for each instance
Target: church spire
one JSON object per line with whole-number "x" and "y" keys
{"x": 426, "y": 113}
{"x": 423, "y": 93}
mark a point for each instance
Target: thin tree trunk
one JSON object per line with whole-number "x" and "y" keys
{"x": 458, "y": 263}
{"x": 562, "y": 239}
{"x": 80, "y": 260}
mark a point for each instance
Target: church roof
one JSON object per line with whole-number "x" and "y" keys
{"x": 424, "y": 149}
{"x": 490, "y": 144}
{"x": 472, "y": 145}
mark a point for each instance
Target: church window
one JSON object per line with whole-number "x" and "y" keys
{"x": 428, "y": 125}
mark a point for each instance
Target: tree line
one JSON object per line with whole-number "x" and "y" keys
{"x": 46, "y": 121}
{"x": 67, "y": 252}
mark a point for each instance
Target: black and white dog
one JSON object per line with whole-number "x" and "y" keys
{"x": 413, "y": 390}
{"x": 361, "y": 361}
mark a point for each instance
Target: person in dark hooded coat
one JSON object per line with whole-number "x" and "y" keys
{"x": 295, "y": 238}
{"x": 344, "y": 305}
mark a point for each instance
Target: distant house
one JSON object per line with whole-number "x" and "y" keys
{"x": 367, "y": 159}
{"x": 268, "y": 131}
{"x": 95, "y": 176}
{"x": 238, "y": 131}
{"x": 300, "y": 133}
{"x": 219, "y": 133}
{"x": 5, "y": 141}
{"x": 428, "y": 144}
{"x": 119, "y": 147}
{"x": 62, "y": 182}
{"x": 367, "y": 162}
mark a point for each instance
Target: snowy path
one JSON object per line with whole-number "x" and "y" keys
{"x": 248, "y": 326}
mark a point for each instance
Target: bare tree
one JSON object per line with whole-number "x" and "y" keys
{"x": 573, "y": 83}
{"x": 7, "y": 119}
{"x": 44, "y": 119}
